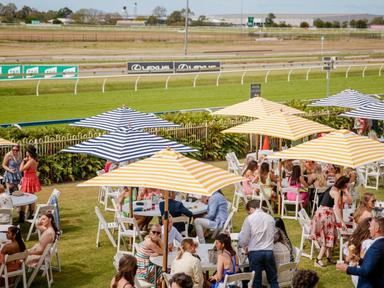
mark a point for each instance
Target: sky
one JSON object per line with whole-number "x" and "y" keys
{"x": 213, "y": 7}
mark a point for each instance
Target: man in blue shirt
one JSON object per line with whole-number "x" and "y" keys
{"x": 216, "y": 216}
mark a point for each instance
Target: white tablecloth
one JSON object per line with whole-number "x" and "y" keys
{"x": 25, "y": 199}
{"x": 195, "y": 207}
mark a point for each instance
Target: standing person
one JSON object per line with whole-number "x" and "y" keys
{"x": 30, "y": 181}
{"x": 216, "y": 216}
{"x": 371, "y": 270}
{"x": 5, "y": 203}
{"x": 367, "y": 203}
{"x": 11, "y": 165}
{"x": 187, "y": 263}
{"x": 257, "y": 235}
{"x": 125, "y": 278}
{"x": 324, "y": 223}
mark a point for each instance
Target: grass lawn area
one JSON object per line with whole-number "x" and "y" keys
{"x": 84, "y": 265}
{"x": 152, "y": 97}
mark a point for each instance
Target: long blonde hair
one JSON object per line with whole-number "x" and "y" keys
{"x": 185, "y": 245}
{"x": 320, "y": 177}
{"x": 362, "y": 206}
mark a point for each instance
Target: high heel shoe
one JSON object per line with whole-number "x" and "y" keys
{"x": 319, "y": 263}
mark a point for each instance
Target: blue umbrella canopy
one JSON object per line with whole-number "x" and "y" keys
{"x": 124, "y": 117}
{"x": 126, "y": 144}
{"x": 347, "y": 99}
{"x": 373, "y": 111}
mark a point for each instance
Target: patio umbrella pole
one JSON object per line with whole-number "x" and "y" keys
{"x": 257, "y": 146}
{"x": 131, "y": 203}
{"x": 165, "y": 242}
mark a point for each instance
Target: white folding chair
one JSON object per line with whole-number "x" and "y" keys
{"x": 107, "y": 227}
{"x": 285, "y": 273}
{"x": 55, "y": 255}
{"x": 372, "y": 172}
{"x": 43, "y": 264}
{"x": 40, "y": 210}
{"x": 128, "y": 228}
{"x": 238, "y": 277}
{"x": 234, "y": 165}
{"x": 315, "y": 203}
{"x": 228, "y": 223}
{"x": 167, "y": 278}
{"x": 238, "y": 195}
{"x": 296, "y": 203}
{"x": 4, "y": 273}
{"x": 183, "y": 219}
{"x": 6, "y": 214}
{"x": 110, "y": 193}
{"x": 55, "y": 193}
{"x": 305, "y": 223}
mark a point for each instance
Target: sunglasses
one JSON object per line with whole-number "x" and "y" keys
{"x": 17, "y": 150}
{"x": 156, "y": 232}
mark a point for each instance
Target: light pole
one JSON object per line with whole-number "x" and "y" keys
{"x": 322, "y": 44}
{"x": 186, "y": 30}
{"x": 242, "y": 14}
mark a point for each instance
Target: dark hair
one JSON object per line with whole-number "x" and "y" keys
{"x": 53, "y": 223}
{"x": 182, "y": 279}
{"x": 19, "y": 239}
{"x": 32, "y": 151}
{"x": 295, "y": 175}
{"x": 127, "y": 270}
{"x": 226, "y": 240}
{"x": 254, "y": 203}
{"x": 305, "y": 279}
{"x": 359, "y": 234}
{"x": 279, "y": 223}
{"x": 340, "y": 183}
{"x": 264, "y": 169}
{"x": 251, "y": 166}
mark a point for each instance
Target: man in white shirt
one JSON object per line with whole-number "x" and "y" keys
{"x": 173, "y": 234}
{"x": 257, "y": 235}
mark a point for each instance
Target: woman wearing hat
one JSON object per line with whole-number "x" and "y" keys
{"x": 30, "y": 182}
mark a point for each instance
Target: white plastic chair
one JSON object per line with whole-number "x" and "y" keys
{"x": 238, "y": 277}
{"x": 128, "y": 228}
{"x": 110, "y": 193}
{"x": 315, "y": 203}
{"x": 234, "y": 165}
{"x": 7, "y": 214}
{"x": 372, "y": 172}
{"x": 296, "y": 203}
{"x": 55, "y": 255}
{"x": 305, "y": 223}
{"x": 40, "y": 210}
{"x": 43, "y": 264}
{"x": 107, "y": 227}
{"x": 167, "y": 278}
{"x": 239, "y": 195}
{"x": 262, "y": 197}
{"x": 185, "y": 220}
{"x": 22, "y": 256}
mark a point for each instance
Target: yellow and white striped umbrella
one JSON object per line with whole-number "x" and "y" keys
{"x": 168, "y": 170}
{"x": 281, "y": 125}
{"x": 4, "y": 142}
{"x": 341, "y": 147}
{"x": 256, "y": 107}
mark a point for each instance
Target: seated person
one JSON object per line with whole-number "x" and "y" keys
{"x": 251, "y": 176}
{"x": 305, "y": 279}
{"x": 267, "y": 179}
{"x": 173, "y": 234}
{"x": 49, "y": 232}
{"x": 297, "y": 181}
{"x": 216, "y": 216}
{"x": 151, "y": 246}
{"x": 227, "y": 260}
{"x": 125, "y": 277}
{"x": 16, "y": 246}
{"x": 124, "y": 199}
{"x": 281, "y": 236}
{"x": 365, "y": 209}
{"x": 145, "y": 194}
{"x": 282, "y": 249}
{"x": 5, "y": 203}
{"x": 187, "y": 263}
{"x": 176, "y": 209}
{"x": 181, "y": 280}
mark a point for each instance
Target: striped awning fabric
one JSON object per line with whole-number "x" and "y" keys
{"x": 373, "y": 111}
{"x": 123, "y": 117}
{"x": 126, "y": 144}
{"x": 341, "y": 147}
{"x": 168, "y": 170}
{"x": 346, "y": 99}
{"x": 257, "y": 107}
{"x": 281, "y": 125}
{"x": 4, "y": 142}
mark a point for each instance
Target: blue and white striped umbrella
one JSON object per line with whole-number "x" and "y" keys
{"x": 373, "y": 111}
{"x": 124, "y": 117}
{"x": 126, "y": 144}
{"x": 346, "y": 99}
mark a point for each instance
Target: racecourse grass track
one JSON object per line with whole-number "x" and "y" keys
{"x": 152, "y": 97}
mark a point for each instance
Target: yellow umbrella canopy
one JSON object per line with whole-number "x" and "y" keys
{"x": 341, "y": 147}
{"x": 4, "y": 142}
{"x": 257, "y": 107}
{"x": 281, "y": 125}
{"x": 168, "y": 170}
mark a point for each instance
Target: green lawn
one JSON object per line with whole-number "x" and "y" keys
{"x": 84, "y": 265}
{"x": 21, "y": 105}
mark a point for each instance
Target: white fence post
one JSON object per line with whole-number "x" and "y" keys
{"x": 346, "y": 72}
{"x": 37, "y": 87}
{"x": 289, "y": 75}
{"x": 217, "y": 79}
{"x": 103, "y": 88}
{"x": 77, "y": 82}
{"x": 137, "y": 82}
{"x": 166, "y": 81}
{"x": 307, "y": 76}
{"x": 266, "y": 76}
{"x": 242, "y": 77}
{"x": 194, "y": 80}
{"x": 363, "y": 74}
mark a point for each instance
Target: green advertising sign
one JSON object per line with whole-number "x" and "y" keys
{"x": 11, "y": 72}
{"x": 250, "y": 22}
{"x": 50, "y": 71}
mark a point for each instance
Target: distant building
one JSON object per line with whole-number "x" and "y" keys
{"x": 65, "y": 21}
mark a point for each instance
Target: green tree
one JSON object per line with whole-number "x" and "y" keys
{"x": 362, "y": 23}
{"x": 8, "y": 12}
{"x": 336, "y": 24}
{"x": 64, "y": 12}
{"x": 269, "y": 20}
{"x": 377, "y": 21}
{"x": 23, "y": 13}
{"x": 318, "y": 23}
{"x": 152, "y": 20}
{"x": 304, "y": 24}
{"x": 344, "y": 24}
{"x": 352, "y": 23}
{"x": 176, "y": 18}
{"x": 327, "y": 24}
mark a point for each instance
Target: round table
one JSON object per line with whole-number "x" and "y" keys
{"x": 23, "y": 200}
{"x": 195, "y": 207}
